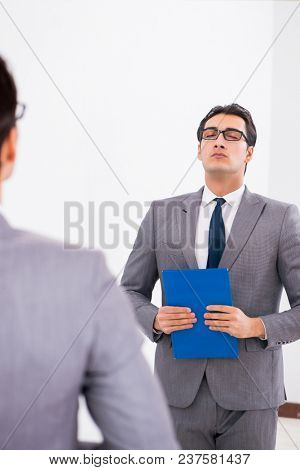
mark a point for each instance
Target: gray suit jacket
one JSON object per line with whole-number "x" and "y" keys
{"x": 262, "y": 254}
{"x": 67, "y": 329}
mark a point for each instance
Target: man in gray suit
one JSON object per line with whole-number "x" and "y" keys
{"x": 66, "y": 329}
{"x": 222, "y": 403}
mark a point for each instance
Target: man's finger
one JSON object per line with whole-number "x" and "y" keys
{"x": 217, "y": 316}
{"x": 221, "y": 308}
{"x": 171, "y": 323}
{"x": 170, "y": 309}
{"x": 216, "y": 323}
{"x": 177, "y": 316}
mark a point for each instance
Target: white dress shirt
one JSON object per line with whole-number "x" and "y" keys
{"x": 229, "y": 210}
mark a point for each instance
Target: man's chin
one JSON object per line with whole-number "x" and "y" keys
{"x": 218, "y": 169}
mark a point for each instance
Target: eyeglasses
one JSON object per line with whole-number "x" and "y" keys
{"x": 9, "y": 120}
{"x": 20, "y": 111}
{"x": 212, "y": 133}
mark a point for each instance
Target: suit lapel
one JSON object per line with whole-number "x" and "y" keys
{"x": 188, "y": 221}
{"x": 248, "y": 213}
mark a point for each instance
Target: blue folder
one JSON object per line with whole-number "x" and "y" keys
{"x": 197, "y": 288}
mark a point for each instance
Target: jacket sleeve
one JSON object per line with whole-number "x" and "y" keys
{"x": 284, "y": 327}
{"x": 124, "y": 398}
{"x": 141, "y": 274}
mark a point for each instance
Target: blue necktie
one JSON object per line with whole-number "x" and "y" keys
{"x": 216, "y": 238}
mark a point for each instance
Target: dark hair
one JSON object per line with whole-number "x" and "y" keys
{"x": 8, "y": 101}
{"x": 237, "y": 110}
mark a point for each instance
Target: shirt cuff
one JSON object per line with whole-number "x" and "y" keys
{"x": 265, "y": 337}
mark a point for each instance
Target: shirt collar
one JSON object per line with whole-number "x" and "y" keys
{"x": 231, "y": 198}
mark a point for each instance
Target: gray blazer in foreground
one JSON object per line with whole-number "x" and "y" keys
{"x": 262, "y": 254}
{"x": 67, "y": 329}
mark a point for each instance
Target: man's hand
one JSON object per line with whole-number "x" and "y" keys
{"x": 232, "y": 320}
{"x": 169, "y": 319}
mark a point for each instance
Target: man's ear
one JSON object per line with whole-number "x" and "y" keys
{"x": 249, "y": 154}
{"x": 8, "y": 154}
{"x": 199, "y": 152}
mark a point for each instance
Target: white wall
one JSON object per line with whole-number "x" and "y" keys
{"x": 139, "y": 75}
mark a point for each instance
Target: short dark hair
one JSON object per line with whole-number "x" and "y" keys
{"x": 237, "y": 110}
{"x": 8, "y": 101}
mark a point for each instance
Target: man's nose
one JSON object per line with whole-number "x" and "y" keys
{"x": 220, "y": 141}
{"x": 220, "y": 144}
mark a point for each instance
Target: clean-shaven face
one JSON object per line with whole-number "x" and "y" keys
{"x": 224, "y": 156}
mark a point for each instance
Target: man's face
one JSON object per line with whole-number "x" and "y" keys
{"x": 224, "y": 156}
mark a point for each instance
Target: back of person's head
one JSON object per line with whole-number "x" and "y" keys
{"x": 8, "y": 101}
{"x": 10, "y": 112}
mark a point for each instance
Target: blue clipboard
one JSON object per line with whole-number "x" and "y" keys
{"x": 197, "y": 288}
